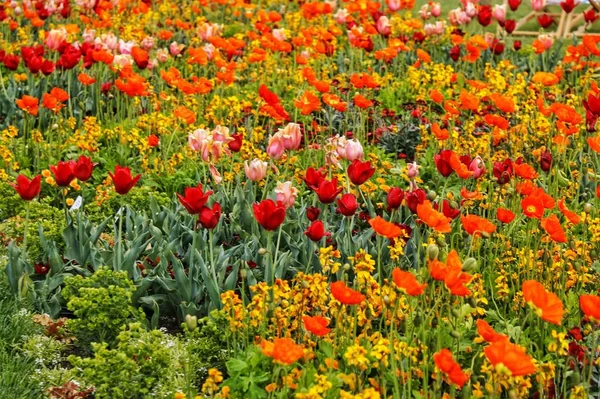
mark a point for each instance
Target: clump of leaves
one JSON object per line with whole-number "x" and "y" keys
{"x": 402, "y": 140}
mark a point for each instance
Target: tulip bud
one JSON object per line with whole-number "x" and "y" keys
{"x": 433, "y": 251}
{"x": 262, "y": 251}
{"x": 431, "y": 195}
{"x": 469, "y": 265}
{"x": 587, "y": 208}
{"x": 191, "y": 322}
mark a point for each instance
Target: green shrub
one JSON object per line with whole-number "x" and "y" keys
{"x": 137, "y": 368}
{"x": 101, "y": 304}
{"x": 138, "y": 199}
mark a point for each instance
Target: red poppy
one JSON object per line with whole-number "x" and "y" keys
{"x": 209, "y": 218}
{"x": 346, "y": 295}
{"x": 27, "y": 189}
{"x": 545, "y": 303}
{"x": 445, "y": 362}
{"x": 63, "y": 173}
{"x": 316, "y": 325}
{"x": 359, "y": 172}
{"x": 505, "y": 215}
{"x": 123, "y": 180}
{"x": 194, "y": 199}
{"x": 407, "y": 282}
{"x": 268, "y": 214}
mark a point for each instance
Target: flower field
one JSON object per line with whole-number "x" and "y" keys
{"x": 298, "y": 199}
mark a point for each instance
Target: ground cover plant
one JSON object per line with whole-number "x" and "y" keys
{"x": 275, "y": 199}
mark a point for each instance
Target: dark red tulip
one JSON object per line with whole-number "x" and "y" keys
{"x": 447, "y": 209}
{"x": 510, "y": 25}
{"x": 415, "y": 198}
{"x": 503, "y": 171}
{"x": 209, "y": 218}
{"x": 123, "y": 180}
{"x": 568, "y": 5}
{"x": 497, "y": 47}
{"x": 359, "y": 172}
{"x": 328, "y": 191}
{"x": 27, "y": 189}
{"x": 11, "y": 62}
{"x": 455, "y": 53}
{"x": 442, "y": 162}
{"x": 545, "y": 20}
{"x": 517, "y": 45}
{"x": 315, "y": 231}
{"x": 63, "y": 173}
{"x": 592, "y": 107}
{"x": 83, "y": 168}
{"x": 484, "y": 17}
{"x": 41, "y": 268}
{"x": 546, "y": 161}
{"x": 347, "y": 204}
{"x": 514, "y": 4}
{"x": 269, "y": 214}
{"x": 313, "y": 178}
{"x": 236, "y": 144}
{"x": 395, "y": 197}
{"x": 312, "y": 213}
{"x": 590, "y": 16}
{"x": 194, "y": 199}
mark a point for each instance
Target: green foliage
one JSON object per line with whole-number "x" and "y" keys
{"x": 11, "y": 202}
{"x": 136, "y": 368}
{"x": 207, "y": 345}
{"x": 102, "y": 304}
{"x": 41, "y": 216}
{"x": 138, "y": 199}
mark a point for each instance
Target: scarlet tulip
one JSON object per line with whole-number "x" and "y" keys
{"x": 194, "y": 199}
{"x": 395, "y": 197}
{"x": 484, "y": 17}
{"x": 503, "y": 171}
{"x": 545, "y": 20}
{"x": 415, "y": 198}
{"x": 347, "y": 205}
{"x": 568, "y": 5}
{"x": 315, "y": 231}
{"x": 314, "y": 178}
{"x": 359, "y": 172}
{"x": 123, "y": 180}
{"x": 442, "y": 162}
{"x": 312, "y": 213}
{"x": 328, "y": 191}
{"x": 514, "y": 4}
{"x": 236, "y": 144}
{"x": 269, "y": 214}
{"x": 27, "y": 189}
{"x": 83, "y": 168}
{"x": 63, "y": 173}
{"x": 209, "y": 218}
{"x": 510, "y": 25}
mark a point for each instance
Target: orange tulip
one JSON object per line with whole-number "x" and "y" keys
{"x": 546, "y": 304}
{"x": 505, "y": 355}
{"x": 407, "y": 282}
{"x": 445, "y": 362}
{"x": 434, "y": 219}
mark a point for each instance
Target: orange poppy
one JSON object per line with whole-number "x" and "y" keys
{"x": 50, "y": 102}
{"x": 503, "y": 103}
{"x": 547, "y": 200}
{"x": 436, "y": 96}
{"x": 570, "y": 215}
{"x": 546, "y": 304}
{"x": 451, "y": 107}
{"x": 554, "y": 229}
{"x": 185, "y": 114}
{"x": 437, "y": 269}
{"x": 473, "y": 53}
{"x": 505, "y": 215}
{"x": 460, "y": 168}
{"x": 407, "y": 282}
{"x": 488, "y": 333}
{"x": 594, "y": 143}
{"x": 335, "y": 102}
{"x": 447, "y": 365}
{"x": 321, "y": 86}
{"x": 345, "y": 295}
{"x": 545, "y": 78}
{"x": 441, "y": 134}
{"x": 532, "y": 207}
{"x": 508, "y": 356}
{"x": 59, "y": 94}
{"x": 282, "y": 350}
{"x": 434, "y": 219}
{"x": 525, "y": 171}
{"x": 362, "y": 102}
{"x": 423, "y": 56}
{"x": 308, "y": 103}
{"x": 590, "y": 306}
{"x": 28, "y": 104}
{"x": 476, "y": 225}
{"x": 316, "y": 325}
{"x": 497, "y": 120}
{"x": 471, "y": 195}
{"x": 85, "y": 79}
{"x": 385, "y": 228}
{"x": 468, "y": 101}
{"x": 456, "y": 280}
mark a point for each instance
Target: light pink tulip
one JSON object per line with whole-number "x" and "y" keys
{"x": 55, "y": 38}
{"x": 413, "y": 170}
{"x": 499, "y": 13}
{"x": 286, "y": 193}
{"x": 276, "y": 147}
{"x": 256, "y": 170}
{"x": 292, "y": 136}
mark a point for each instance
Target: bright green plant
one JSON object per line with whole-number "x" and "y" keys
{"x": 138, "y": 367}
{"x": 101, "y": 304}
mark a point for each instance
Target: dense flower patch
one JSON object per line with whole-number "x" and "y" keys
{"x": 353, "y": 199}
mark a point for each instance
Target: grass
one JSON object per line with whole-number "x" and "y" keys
{"x": 15, "y": 324}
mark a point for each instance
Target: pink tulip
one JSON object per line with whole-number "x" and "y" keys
{"x": 286, "y": 193}
{"x": 413, "y": 170}
{"x": 436, "y": 9}
{"x": 176, "y": 48}
{"x": 425, "y": 12}
{"x": 383, "y": 26}
{"x": 276, "y": 146}
{"x": 477, "y": 167}
{"x": 538, "y": 5}
{"x": 341, "y": 16}
{"x": 499, "y": 13}
{"x": 55, "y": 38}
{"x": 354, "y": 150}
{"x": 256, "y": 170}
{"x": 394, "y": 5}
{"x": 292, "y": 136}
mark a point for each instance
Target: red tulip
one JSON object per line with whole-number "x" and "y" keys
{"x": 455, "y": 53}
{"x": 517, "y": 45}
{"x": 268, "y": 214}
{"x": 590, "y": 16}
{"x": 447, "y": 209}
{"x": 442, "y": 162}
{"x": 27, "y": 189}
{"x": 359, "y": 172}
{"x": 415, "y": 198}
{"x": 194, "y": 199}
{"x": 545, "y": 20}
{"x": 546, "y": 161}
{"x": 484, "y": 17}
{"x": 568, "y": 5}
{"x": 510, "y": 25}
{"x": 83, "y": 168}
{"x": 503, "y": 171}
{"x": 347, "y": 205}
{"x": 312, "y": 213}
{"x": 209, "y": 218}
{"x": 11, "y": 62}
{"x": 313, "y": 178}
{"x": 236, "y": 144}
{"x": 514, "y": 4}
{"x": 123, "y": 180}
{"x": 328, "y": 191}
{"x": 315, "y": 231}
{"x": 395, "y": 197}
{"x": 63, "y": 173}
